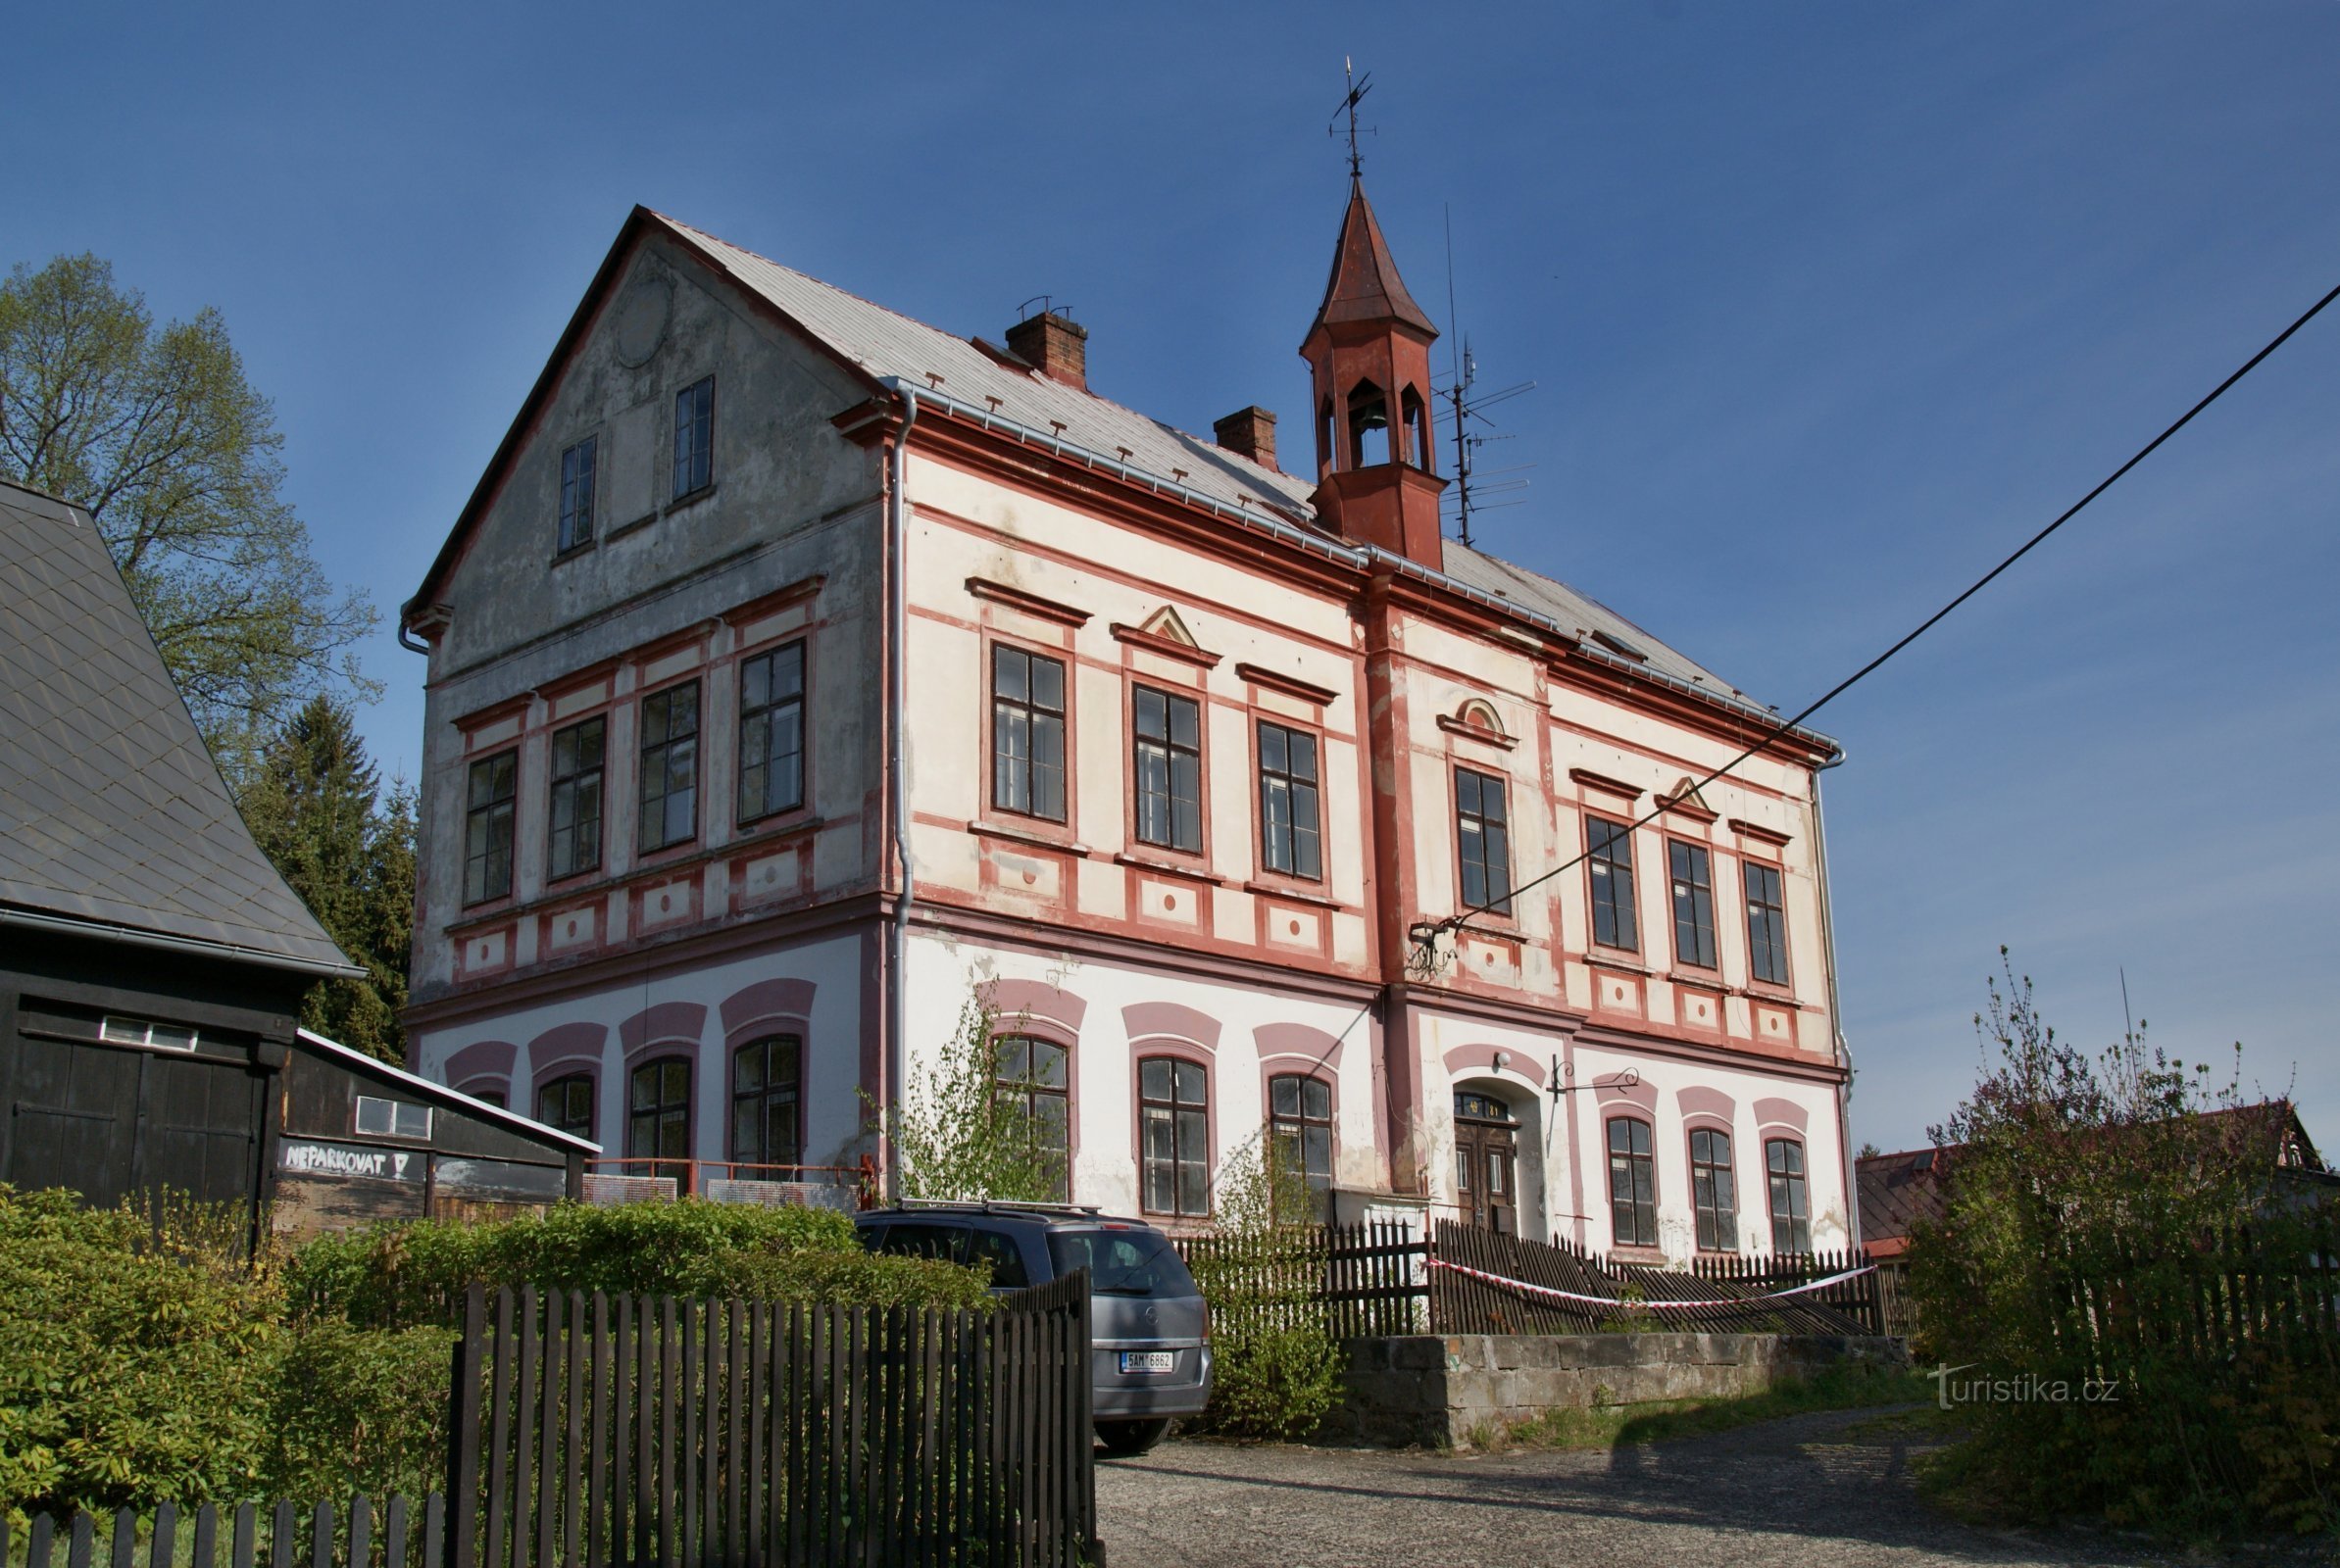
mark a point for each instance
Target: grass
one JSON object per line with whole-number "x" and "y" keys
{"x": 1612, "y": 1426}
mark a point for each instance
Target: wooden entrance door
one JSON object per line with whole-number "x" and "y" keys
{"x": 1486, "y": 1163}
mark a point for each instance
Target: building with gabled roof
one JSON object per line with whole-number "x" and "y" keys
{"x": 151, "y": 961}
{"x": 798, "y": 670}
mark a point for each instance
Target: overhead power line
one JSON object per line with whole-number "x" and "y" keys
{"x": 1427, "y": 933}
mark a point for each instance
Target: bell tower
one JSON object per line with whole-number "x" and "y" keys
{"x": 1369, "y": 360}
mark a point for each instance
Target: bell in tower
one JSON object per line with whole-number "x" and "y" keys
{"x": 1368, "y": 359}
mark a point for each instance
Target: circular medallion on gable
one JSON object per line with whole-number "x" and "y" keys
{"x": 639, "y": 324}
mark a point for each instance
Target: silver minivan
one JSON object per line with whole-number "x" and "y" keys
{"x": 1150, "y": 1333}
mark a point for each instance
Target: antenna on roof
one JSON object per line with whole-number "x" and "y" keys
{"x": 1358, "y": 88}
{"x": 1470, "y": 487}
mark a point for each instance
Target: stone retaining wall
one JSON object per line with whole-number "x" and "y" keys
{"x": 1426, "y": 1390}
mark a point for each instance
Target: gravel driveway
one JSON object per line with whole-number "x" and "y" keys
{"x": 1801, "y": 1491}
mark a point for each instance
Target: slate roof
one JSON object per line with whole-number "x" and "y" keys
{"x": 111, "y": 809}
{"x": 883, "y": 344}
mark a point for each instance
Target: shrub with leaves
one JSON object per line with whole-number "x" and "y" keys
{"x": 135, "y": 1365}
{"x": 406, "y": 1274}
{"x": 2095, "y": 1209}
{"x": 1277, "y": 1368}
{"x": 959, "y": 1138}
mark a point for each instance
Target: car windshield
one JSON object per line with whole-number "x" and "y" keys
{"x": 1131, "y": 1262}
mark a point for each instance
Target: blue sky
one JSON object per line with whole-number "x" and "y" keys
{"x": 1830, "y": 306}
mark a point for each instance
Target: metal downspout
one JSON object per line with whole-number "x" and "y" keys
{"x": 1844, "y": 1050}
{"x": 897, "y": 998}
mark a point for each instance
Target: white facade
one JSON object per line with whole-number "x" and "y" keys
{"x": 1400, "y": 679}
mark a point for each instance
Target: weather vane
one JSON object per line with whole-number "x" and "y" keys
{"x": 1358, "y": 88}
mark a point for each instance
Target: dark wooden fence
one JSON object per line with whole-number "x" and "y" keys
{"x": 590, "y": 1431}
{"x": 1627, "y": 1295}
{"x": 1363, "y": 1281}
{"x": 352, "y": 1535}
{"x": 1373, "y": 1281}
{"x": 2237, "y": 1290}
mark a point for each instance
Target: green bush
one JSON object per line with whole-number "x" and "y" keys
{"x": 134, "y": 1366}
{"x": 1277, "y": 1368}
{"x": 144, "y": 1363}
{"x": 403, "y": 1274}
{"x": 2092, "y": 1206}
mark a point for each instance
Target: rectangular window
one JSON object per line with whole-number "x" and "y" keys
{"x": 1791, "y": 1228}
{"x": 1610, "y": 857}
{"x": 576, "y": 806}
{"x": 771, "y": 732}
{"x": 1711, "y": 1193}
{"x": 1300, "y": 1129}
{"x": 1767, "y": 924}
{"x": 766, "y": 1108}
{"x": 1632, "y": 1184}
{"x": 1693, "y": 905}
{"x": 487, "y": 827}
{"x": 658, "y": 1139}
{"x": 1167, "y": 735}
{"x": 1288, "y": 840}
{"x": 1174, "y": 1125}
{"x": 577, "y": 494}
{"x": 669, "y": 781}
{"x": 392, "y": 1118}
{"x": 1030, "y": 1077}
{"x": 1483, "y": 833}
{"x": 115, "y": 1029}
{"x": 694, "y": 438}
{"x": 1027, "y": 733}
{"x": 565, "y": 1104}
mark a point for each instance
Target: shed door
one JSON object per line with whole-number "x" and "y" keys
{"x": 107, "y": 1122}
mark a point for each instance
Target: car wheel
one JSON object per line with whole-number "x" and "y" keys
{"x": 1126, "y": 1440}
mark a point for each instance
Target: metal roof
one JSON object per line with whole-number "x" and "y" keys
{"x": 112, "y": 812}
{"x": 885, "y": 343}
{"x": 444, "y": 1094}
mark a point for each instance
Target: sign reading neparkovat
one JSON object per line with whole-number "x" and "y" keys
{"x": 309, "y": 1157}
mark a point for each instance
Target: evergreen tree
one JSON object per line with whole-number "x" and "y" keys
{"x": 318, "y": 807}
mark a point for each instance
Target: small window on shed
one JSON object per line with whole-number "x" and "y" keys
{"x": 120, "y": 1031}
{"x": 392, "y": 1118}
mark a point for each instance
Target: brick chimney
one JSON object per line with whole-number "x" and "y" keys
{"x": 1248, "y": 433}
{"x": 1056, "y": 345}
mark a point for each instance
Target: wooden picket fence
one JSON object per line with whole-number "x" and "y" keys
{"x": 1631, "y": 1295}
{"x": 1361, "y": 1281}
{"x": 2236, "y": 1290}
{"x": 587, "y": 1430}
{"x": 590, "y": 1431}
{"x": 331, "y": 1534}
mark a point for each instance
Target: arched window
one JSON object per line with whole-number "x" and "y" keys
{"x": 565, "y": 1104}
{"x": 1300, "y": 1127}
{"x": 657, "y": 1120}
{"x": 1030, "y": 1075}
{"x": 1791, "y": 1225}
{"x": 1713, "y": 1192}
{"x": 488, "y": 1094}
{"x": 1417, "y": 430}
{"x": 1369, "y": 426}
{"x": 1175, "y": 1136}
{"x": 1632, "y": 1184}
{"x": 767, "y": 1106}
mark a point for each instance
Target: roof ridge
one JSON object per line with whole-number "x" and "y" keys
{"x": 957, "y": 341}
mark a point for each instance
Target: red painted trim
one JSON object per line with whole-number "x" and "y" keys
{"x": 1602, "y": 781}
{"x": 1031, "y": 604}
{"x": 1167, "y": 647}
{"x": 1475, "y": 732}
{"x": 1289, "y": 685}
{"x": 779, "y": 598}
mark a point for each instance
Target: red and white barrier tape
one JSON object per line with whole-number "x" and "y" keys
{"x": 1610, "y": 1300}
